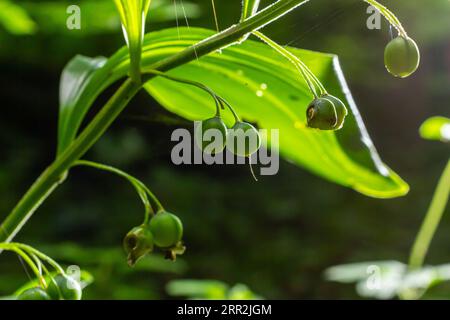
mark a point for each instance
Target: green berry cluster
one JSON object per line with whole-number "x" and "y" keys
{"x": 242, "y": 139}
{"x": 164, "y": 230}
{"x": 61, "y": 287}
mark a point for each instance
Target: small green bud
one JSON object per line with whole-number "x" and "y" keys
{"x": 137, "y": 243}
{"x": 243, "y": 139}
{"x": 167, "y": 229}
{"x": 34, "y": 294}
{"x": 64, "y": 288}
{"x": 217, "y": 129}
{"x": 321, "y": 114}
{"x": 401, "y": 57}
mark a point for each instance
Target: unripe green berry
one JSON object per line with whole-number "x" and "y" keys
{"x": 167, "y": 229}
{"x": 211, "y": 130}
{"x": 34, "y": 294}
{"x": 341, "y": 110}
{"x": 243, "y": 139}
{"x": 321, "y": 114}
{"x": 137, "y": 243}
{"x": 401, "y": 57}
{"x": 64, "y": 288}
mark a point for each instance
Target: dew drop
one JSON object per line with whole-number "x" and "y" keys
{"x": 263, "y": 86}
{"x": 259, "y": 93}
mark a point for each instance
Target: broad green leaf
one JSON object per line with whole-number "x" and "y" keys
{"x": 15, "y": 19}
{"x": 265, "y": 89}
{"x": 249, "y": 8}
{"x": 76, "y": 80}
{"x": 133, "y": 14}
{"x": 436, "y": 128}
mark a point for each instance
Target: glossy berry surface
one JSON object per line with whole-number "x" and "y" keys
{"x": 243, "y": 139}
{"x": 64, "y": 288}
{"x": 321, "y": 114}
{"x": 401, "y": 57}
{"x": 341, "y": 110}
{"x": 34, "y": 294}
{"x": 137, "y": 243}
{"x": 167, "y": 229}
{"x": 211, "y": 135}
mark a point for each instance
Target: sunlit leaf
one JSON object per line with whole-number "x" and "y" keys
{"x": 265, "y": 89}
{"x": 76, "y": 77}
{"x": 133, "y": 14}
{"x": 436, "y": 128}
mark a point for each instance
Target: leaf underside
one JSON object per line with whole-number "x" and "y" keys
{"x": 265, "y": 89}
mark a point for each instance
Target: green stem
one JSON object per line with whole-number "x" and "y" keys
{"x": 431, "y": 221}
{"x": 42, "y": 256}
{"x": 192, "y": 83}
{"x": 309, "y": 77}
{"x": 57, "y": 171}
{"x": 14, "y": 248}
{"x": 140, "y": 187}
{"x": 389, "y": 15}
{"x": 227, "y": 104}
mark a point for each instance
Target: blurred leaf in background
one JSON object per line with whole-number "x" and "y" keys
{"x": 436, "y": 128}
{"x": 15, "y": 19}
{"x": 388, "y": 279}
{"x": 99, "y": 16}
{"x": 209, "y": 289}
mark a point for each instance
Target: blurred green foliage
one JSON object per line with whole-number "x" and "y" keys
{"x": 15, "y": 19}
{"x": 209, "y": 289}
{"x": 279, "y": 243}
{"x": 436, "y": 128}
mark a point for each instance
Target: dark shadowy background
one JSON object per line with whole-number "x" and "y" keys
{"x": 277, "y": 235}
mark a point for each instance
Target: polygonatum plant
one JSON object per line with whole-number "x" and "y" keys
{"x": 228, "y": 80}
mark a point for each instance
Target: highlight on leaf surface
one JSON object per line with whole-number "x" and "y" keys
{"x": 249, "y": 8}
{"x": 436, "y": 128}
{"x": 133, "y": 14}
